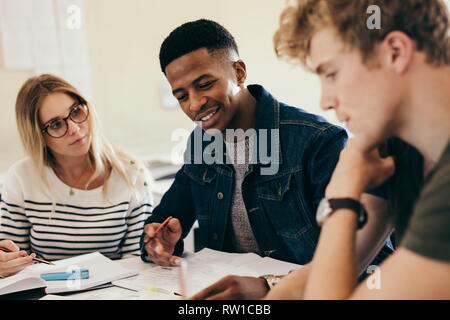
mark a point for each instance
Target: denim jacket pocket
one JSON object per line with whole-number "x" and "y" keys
{"x": 200, "y": 174}
{"x": 202, "y": 192}
{"x": 275, "y": 188}
{"x": 281, "y": 202}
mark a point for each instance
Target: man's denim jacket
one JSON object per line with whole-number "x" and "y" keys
{"x": 281, "y": 206}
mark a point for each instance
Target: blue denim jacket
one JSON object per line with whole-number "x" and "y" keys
{"x": 281, "y": 207}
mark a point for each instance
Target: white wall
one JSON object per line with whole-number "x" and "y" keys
{"x": 123, "y": 45}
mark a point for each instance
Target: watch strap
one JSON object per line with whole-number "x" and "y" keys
{"x": 352, "y": 204}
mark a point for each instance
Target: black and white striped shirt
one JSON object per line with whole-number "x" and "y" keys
{"x": 78, "y": 224}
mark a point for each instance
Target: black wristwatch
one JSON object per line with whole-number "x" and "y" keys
{"x": 328, "y": 206}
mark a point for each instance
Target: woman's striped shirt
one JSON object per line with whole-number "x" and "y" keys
{"x": 77, "y": 224}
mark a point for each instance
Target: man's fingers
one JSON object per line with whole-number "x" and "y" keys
{"x": 151, "y": 248}
{"x": 224, "y": 295}
{"x": 204, "y": 293}
{"x": 157, "y": 246}
{"x": 160, "y": 246}
{"x": 160, "y": 256}
{"x": 149, "y": 229}
{"x": 175, "y": 261}
{"x": 174, "y": 225}
{"x": 213, "y": 295}
{"x": 212, "y": 290}
{"x": 172, "y": 230}
{"x": 167, "y": 260}
{"x": 387, "y": 169}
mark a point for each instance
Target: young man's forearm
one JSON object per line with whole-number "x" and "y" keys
{"x": 335, "y": 280}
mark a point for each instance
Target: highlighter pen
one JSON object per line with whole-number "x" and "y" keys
{"x": 71, "y": 275}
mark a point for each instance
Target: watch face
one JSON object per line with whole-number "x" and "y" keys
{"x": 323, "y": 211}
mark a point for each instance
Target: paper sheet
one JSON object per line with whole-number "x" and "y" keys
{"x": 203, "y": 269}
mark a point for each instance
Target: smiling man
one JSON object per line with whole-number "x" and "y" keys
{"x": 391, "y": 83}
{"x": 239, "y": 206}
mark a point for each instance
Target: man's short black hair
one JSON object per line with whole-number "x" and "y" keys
{"x": 192, "y": 36}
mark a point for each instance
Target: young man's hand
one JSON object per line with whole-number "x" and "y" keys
{"x": 234, "y": 288}
{"x": 161, "y": 246}
{"x": 357, "y": 171}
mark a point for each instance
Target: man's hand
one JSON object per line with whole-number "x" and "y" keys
{"x": 357, "y": 171}
{"x": 234, "y": 288}
{"x": 161, "y": 246}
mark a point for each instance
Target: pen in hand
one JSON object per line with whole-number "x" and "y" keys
{"x": 160, "y": 246}
{"x": 34, "y": 259}
{"x": 147, "y": 238}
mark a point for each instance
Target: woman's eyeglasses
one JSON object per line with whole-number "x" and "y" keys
{"x": 58, "y": 128}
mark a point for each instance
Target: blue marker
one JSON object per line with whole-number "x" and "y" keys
{"x": 73, "y": 275}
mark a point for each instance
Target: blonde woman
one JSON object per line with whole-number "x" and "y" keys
{"x": 74, "y": 193}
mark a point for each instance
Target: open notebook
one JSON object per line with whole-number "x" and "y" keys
{"x": 101, "y": 270}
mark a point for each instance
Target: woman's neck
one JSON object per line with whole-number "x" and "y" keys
{"x": 74, "y": 171}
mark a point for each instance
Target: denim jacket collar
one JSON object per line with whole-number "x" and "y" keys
{"x": 267, "y": 118}
{"x": 268, "y": 108}
{"x": 267, "y": 127}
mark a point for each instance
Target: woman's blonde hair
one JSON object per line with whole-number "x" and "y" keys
{"x": 102, "y": 156}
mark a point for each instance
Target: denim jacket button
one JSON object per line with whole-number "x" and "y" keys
{"x": 220, "y": 195}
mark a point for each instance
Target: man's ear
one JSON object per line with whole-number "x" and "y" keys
{"x": 241, "y": 71}
{"x": 397, "y": 51}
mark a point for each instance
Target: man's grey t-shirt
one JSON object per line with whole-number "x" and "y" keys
{"x": 240, "y": 235}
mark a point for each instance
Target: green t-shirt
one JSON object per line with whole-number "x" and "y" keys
{"x": 403, "y": 189}
{"x": 428, "y": 230}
